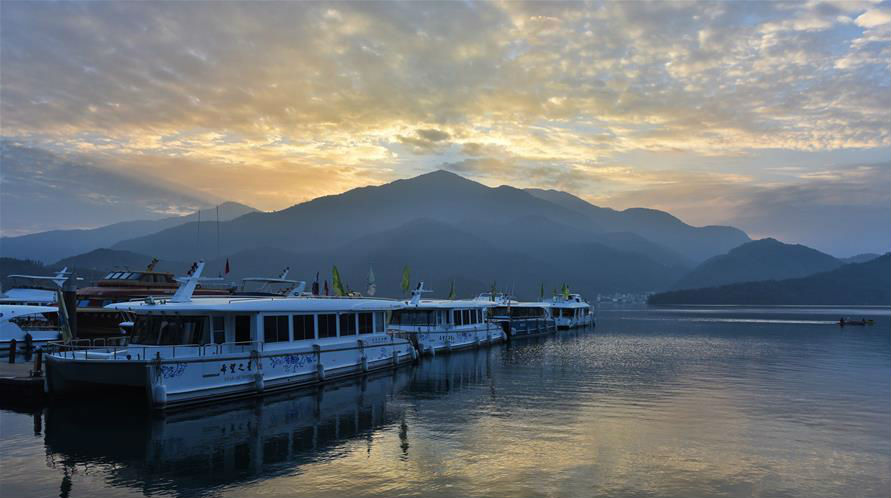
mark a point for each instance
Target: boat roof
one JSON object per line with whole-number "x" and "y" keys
{"x": 8, "y": 311}
{"x": 441, "y": 304}
{"x": 29, "y": 295}
{"x": 258, "y": 305}
{"x": 561, "y": 303}
{"x": 526, "y": 304}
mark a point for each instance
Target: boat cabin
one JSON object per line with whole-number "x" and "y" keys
{"x": 271, "y": 321}
{"x": 439, "y": 317}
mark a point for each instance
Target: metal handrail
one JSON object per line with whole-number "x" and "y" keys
{"x": 204, "y": 350}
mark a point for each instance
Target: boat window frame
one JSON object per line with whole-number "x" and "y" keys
{"x": 350, "y": 331}
{"x": 333, "y": 317}
{"x": 279, "y": 320}
{"x": 302, "y": 317}
{"x": 369, "y": 323}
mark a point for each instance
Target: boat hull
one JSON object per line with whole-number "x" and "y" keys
{"x": 571, "y": 323}
{"x": 429, "y": 340}
{"x": 169, "y": 382}
{"x": 520, "y": 328}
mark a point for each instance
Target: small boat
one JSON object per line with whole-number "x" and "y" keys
{"x": 847, "y": 321}
{"x": 30, "y": 326}
{"x": 434, "y": 325}
{"x": 187, "y": 351}
{"x": 571, "y": 311}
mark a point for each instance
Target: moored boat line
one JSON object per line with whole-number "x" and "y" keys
{"x": 434, "y": 325}
{"x": 185, "y": 349}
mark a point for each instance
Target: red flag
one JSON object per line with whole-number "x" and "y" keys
{"x": 227, "y": 266}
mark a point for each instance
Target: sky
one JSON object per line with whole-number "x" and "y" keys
{"x": 770, "y": 116}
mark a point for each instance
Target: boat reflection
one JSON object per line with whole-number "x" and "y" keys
{"x": 193, "y": 452}
{"x": 188, "y": 453}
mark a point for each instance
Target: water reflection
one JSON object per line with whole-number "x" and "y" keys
{"x": 750, "y": 404}
{"x": 194, "y": 451}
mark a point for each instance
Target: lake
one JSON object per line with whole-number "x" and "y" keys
{"x": 674, "y": 402}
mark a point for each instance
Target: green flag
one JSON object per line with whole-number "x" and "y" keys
{"x": 452, "y": 291}
{"x": 406, "y": 281}
{"x": 565, "y": 292}
{"x": 337, "y": 283}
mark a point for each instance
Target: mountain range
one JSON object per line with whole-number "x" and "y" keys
{"x": 52, "y": 245}
{"x": 765, "y": 259}
{"x": 445, "y": 227}
{"x": 866, "y": 283}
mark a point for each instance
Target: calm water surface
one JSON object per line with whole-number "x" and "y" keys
{"x": 679, "y": 402}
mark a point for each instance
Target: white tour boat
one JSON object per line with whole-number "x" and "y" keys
{"x": 434, "y": 325}
{"x": 571, "y": 311}
{"x": 18, "y": 321}
{"x": 519, "y": 319}
{"x": 186, "y": 351}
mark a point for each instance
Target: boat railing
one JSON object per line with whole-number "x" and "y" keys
{"x": 115, "y": 346}
{"x": 82, "y": 349}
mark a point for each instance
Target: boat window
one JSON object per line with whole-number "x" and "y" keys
{"x": 459, "y": 318}
{"x": 327, "y": 326}
{"x": 304, "y": 327}
{"x": 125, "y": 275}
{"x": 170, "y": 331}
{"x": 412, "y": 317}
{"x": 347, "y": 324}
{"x": 36, "y": 321}
{"x": 108, "y": 277}
{"x": 219, "y": 329}
{"x": 380, "y": 322}
{"x": 243, "y": 328}
{"x": 83, "y": 303}
{"x": 466, "y": 314}
{"x": 366, "y": 323}
{"x": 134, "y": 276}
{"x": 275, "y": 328}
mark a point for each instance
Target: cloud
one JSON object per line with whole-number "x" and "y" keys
{"x": 425, "y": 141}
{"x": 873, "y": 17}
{"x": 272, "y": 103}
{"x": 842, "y": 210}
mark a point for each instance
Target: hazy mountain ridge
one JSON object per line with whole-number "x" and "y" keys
{"x": 860, "y": 258}
{"x": 57, "y": 244}
{"x": 694, "y": 243}
{"x": 331, "y": 221}
{"x": 104, "y": 260}
{"x": 446, "y": 227}
{"x": 765, "y": 259}
{"x": 851, "y": 284}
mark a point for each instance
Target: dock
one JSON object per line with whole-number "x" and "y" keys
{"x": 17, "y": 384}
